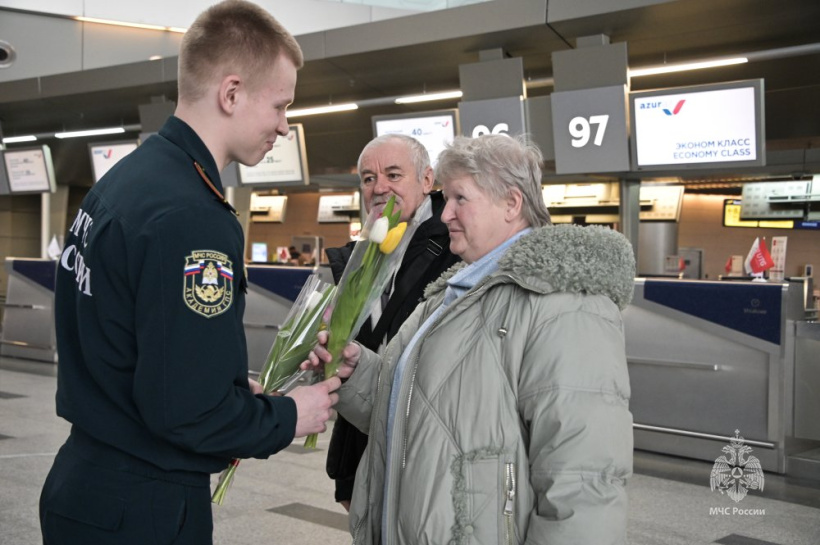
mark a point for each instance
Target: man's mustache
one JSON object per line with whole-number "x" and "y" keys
{"x": 378, "y": 201}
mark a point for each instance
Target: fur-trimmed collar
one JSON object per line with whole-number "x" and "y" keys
{"x": 566, "y": 258}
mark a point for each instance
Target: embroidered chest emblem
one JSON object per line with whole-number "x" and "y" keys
{"x": 208, "y": 286}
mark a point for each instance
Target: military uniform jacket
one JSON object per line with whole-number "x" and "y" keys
{"x": 149, "y": 305}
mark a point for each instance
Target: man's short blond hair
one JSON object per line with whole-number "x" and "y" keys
{"x": 232, "y": 37}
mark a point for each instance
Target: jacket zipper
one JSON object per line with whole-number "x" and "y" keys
{"x": 366, "y": 512}
{"x": 407, "y": 416}
{"x": 509, "y": 485}
{"x": 492, "y": 281}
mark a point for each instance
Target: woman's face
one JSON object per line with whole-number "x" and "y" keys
{"x": 477, "y": 222}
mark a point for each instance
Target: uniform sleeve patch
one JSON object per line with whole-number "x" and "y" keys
{"x": 208, "y": 286}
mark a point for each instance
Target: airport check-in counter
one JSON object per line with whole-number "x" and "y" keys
{"x": 806, "y": 400}
{"x": 708, "y": 358}
{"x": 272, "y": 290}
{"x": 28, "y": 314}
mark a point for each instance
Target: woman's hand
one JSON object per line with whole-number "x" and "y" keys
{"x": 320, "y": 356}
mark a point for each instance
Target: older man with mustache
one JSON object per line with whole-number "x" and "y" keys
{"x": 391, "y": 165}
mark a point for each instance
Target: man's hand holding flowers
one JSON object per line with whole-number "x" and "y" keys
{"x": 319, "y": 356}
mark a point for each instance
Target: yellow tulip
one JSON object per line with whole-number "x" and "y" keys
{"x": 393, "y": 238}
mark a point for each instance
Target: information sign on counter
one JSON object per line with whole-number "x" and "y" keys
{"x": 589, "y": 128}
{"x": 29, "y": 170}
{"x": 259, "y": 252}
{"x": 285, "y": 164}
{"x": 778, "y": 272}
{"x": 704, "y": 126}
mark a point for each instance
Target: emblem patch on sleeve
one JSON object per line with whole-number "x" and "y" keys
{"x": 208, "y": 286}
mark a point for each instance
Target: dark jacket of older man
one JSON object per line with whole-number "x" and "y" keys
{"x": 427, "y": 257}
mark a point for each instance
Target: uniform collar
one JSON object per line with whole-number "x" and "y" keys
{"x": 181, "y": 134}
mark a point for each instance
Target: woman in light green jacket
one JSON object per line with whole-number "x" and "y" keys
{"x": 499, "y": 413}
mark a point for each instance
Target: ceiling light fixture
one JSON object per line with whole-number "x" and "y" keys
{"x": 301, "y": 112}
{"x": 426, "y": 97}
{"x": 683, "y": 67}
{"x": 92, "y": 132}
{"x": 18, "y": 139}
{"x": 132, "y": 25}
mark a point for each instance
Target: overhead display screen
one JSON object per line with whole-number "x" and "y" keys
{"x": 29, "y": 170}
{"x": 285, "y": 164}
{"x": 105, "y": 155}
{"x": 433, "y": 129}
{"x": 705, "y": 126}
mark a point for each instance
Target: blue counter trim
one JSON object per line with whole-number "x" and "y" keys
{"x": 753, "y": 309}
{"x": 42, "y": 272}
{"x": 283, "y": 281}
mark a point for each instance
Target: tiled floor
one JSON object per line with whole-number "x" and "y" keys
{"x": 289, "y": 499}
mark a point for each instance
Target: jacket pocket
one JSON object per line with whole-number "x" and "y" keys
{"x": 483, "y": 498}
{"x": 84, "y": 513}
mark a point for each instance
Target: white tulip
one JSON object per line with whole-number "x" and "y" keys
{"x": 314, "y": 299}
{"x": 379, "y": 230}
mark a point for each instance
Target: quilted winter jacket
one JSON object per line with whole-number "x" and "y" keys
{"x": 513, "y": 423}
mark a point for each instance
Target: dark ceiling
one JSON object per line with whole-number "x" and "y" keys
{"x": 676, "y": 31}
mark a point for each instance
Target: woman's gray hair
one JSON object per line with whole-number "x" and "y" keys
{"x": 498, "y": 163}
{"x": 421, "y": 159}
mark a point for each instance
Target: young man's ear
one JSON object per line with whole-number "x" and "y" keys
{"x": 229, "y": 89}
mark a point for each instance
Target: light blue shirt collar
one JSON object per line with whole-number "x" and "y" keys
{"x": 464, "y": 280}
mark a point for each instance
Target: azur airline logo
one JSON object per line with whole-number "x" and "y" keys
{"x": 677, "y": 108}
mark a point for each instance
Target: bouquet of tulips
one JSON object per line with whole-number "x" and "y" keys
{"x": 374, "y": 261}
{"x": 295, "y": 339}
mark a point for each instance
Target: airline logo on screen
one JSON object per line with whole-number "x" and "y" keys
{"x": 677, "y": 108}
{"x": 660, "y": 104}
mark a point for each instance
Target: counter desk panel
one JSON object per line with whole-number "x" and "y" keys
{"x": 28, "y": 317}
{"x": 708, "y": 358}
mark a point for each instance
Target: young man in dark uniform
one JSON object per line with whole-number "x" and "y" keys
{"x": 149, "y": 304}
{"x": 391, "y": 165}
